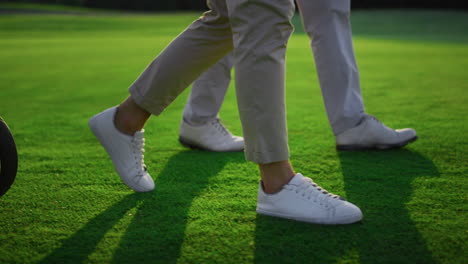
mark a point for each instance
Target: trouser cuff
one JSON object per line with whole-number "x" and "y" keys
{"x": 266, "y": 157}
{"x": 346, "y": 123}
{"x": 155, "y": 107}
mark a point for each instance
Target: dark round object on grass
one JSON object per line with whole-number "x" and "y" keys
{"x": 8, "y": 158}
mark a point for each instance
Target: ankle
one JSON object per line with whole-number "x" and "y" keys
{"x": 130, "y": 117}
{"x": 275, "y": 175}
{"x": 124, "y": 124}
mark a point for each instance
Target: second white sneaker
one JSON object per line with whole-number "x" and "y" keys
{"x": 212, "y": 136}
{"x": 126, "y": 152}
{"x": 372, "y": 134}
{"x": 303, "y": 200}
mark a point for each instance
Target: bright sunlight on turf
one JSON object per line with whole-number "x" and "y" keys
{"x": 69, "y": 206}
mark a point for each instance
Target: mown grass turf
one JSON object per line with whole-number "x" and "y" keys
{"x": 69, "y": 206}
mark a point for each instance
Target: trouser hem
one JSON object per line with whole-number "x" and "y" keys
{"x": 152, "y": 106}
{"x": 346, "y": 123}
{"x": 266, "y": 157}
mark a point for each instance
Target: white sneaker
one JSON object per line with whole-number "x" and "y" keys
{"x": 125, "y": 151}
{"x": 372, "y": 134}
{"x": 212, "y": 136}
{"x": 303, "y": 200}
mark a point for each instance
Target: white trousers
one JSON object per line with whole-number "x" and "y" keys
{"x": 258, "y": 31}
{"x": 328, "y": 25}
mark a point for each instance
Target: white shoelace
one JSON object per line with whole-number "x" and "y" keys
{"x": 311, "y": 190}
{"x": 219, "y": 126}
{"x": 138, "y": 151}
{"x": 386, "y": 129}
{"x": 375, "y": 118}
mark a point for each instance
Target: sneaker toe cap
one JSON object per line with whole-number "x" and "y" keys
{"x": 347, "y": 213}
{"x": 142, "y": 183}
{"x": 233, "y": 144}
{"x": 237, "y": 144}
{"x": 406, "y": 133}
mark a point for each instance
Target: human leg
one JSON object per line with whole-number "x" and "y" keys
{"x": 201, "y": 127}
{"x": 201, "y": 45}
{"x": 120, "y": 129}
{"x": 208, "y": 93}
{"x": 261, "y": 31}
{"x": 328, "y": 24}
{"x": 260, "y": 92}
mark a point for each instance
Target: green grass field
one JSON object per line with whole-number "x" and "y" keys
{"x": 69, "y": 206}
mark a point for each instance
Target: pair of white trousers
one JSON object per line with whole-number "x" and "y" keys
{"x": 328, "y": 25}
{"x": 257, "y": 32}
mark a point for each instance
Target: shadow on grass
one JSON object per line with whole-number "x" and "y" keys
{"x": 380, "y": 183}
{"x": 157, "y": 230}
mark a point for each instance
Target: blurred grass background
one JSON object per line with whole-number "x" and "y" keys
{"x": 69, "y": 206}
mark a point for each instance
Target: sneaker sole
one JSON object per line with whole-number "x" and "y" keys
{"x": 343, "y": 221}
{"x": 192, "y": 145}
{"x": 376, "y": 147}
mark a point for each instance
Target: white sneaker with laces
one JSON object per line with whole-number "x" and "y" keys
{"x": 212, "y": 136}
{"x": 372, "y": 134}
{"x": 303, "y": 200}
{"x": 126, "y": 152}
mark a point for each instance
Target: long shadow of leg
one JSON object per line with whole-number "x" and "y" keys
{"x": 380, "y": 183}
{"x": 285, "y": 241}
{"x": 79, "y": 246}
{"x": 158, "y": 229}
